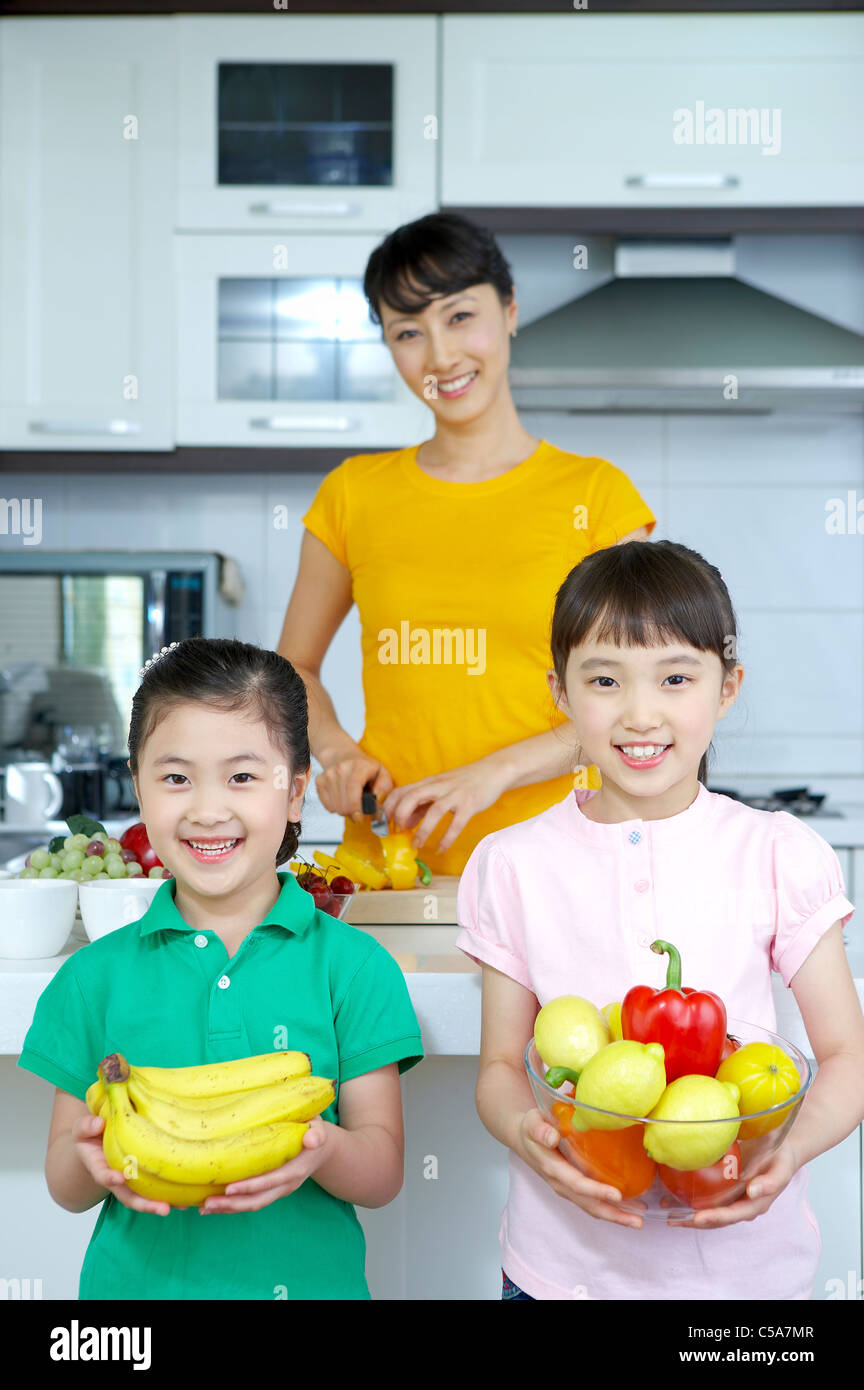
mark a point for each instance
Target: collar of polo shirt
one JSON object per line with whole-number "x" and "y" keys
{"x": 294, "y": 909}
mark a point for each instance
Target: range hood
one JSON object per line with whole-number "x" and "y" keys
{"x": 675, "y": 330}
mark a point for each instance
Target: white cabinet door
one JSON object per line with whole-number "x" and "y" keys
{"x": 619, "y": 111}
{"x": 86, "y": 213}
{"x": 267, "y": 326}
{"x": 333, "y": 148}
{"x": 834, "y": 1194}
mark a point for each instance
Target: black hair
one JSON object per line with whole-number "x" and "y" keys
{"x": 438, "y": 255}
{"x": 228, "y": 675}
{"x": 639, "y": 593}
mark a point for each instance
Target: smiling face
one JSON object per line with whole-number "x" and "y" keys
{"x": 629, "y": 702}
{"x": 215, "y": 794}
{"x": 460, "y": 335}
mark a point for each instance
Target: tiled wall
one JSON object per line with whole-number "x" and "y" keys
{"x": 749, "y": 493}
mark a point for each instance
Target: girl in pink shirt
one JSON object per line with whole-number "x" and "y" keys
{"x": 644, "y": 652}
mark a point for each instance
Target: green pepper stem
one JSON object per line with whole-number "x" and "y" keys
{"x": 556, "y": 1076}
{"x": 425, "y": 873}
{"x": 673, "y": 973}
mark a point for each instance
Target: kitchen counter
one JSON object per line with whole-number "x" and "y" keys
{"x": 444, "y": 985}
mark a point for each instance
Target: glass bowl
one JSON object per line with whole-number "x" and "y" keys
{"x": 335, "y": 903}
{"x": 617, "y": 1156}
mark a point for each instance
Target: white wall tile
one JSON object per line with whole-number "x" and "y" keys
{"x": 776, "y": 449}
{"x": 803, "y": 676}
{"x": 790, "y": 761}
{"x": 770, "y": 545}
{"x": 634, "y": 443}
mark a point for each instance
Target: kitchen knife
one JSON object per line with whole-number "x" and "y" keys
{"x": 371, "y": 808}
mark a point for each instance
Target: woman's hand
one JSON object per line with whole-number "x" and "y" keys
{"x": 87, "y": 1137}
{"x": 761, "y": 1192}
{"x": 340, "y": 785}
{"x": 538, "y": 1145}
{"x": 254, "y": 1193}
{"x": 463, "y": 790}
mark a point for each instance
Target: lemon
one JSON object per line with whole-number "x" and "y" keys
{"x": 766, "y": 1076}
{"x": 569, "y": 1030}
{"x": 612, "y": 1015}
{"x": 691, "y": 1146}
{"x": 627, "y": 1077}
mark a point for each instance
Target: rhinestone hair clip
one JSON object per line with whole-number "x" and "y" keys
{"x": 151, "y": 660}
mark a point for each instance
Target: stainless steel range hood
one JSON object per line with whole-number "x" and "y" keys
{"x": 661, "y": 336}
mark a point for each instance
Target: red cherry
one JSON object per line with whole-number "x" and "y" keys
{"x": 341, "y": 884}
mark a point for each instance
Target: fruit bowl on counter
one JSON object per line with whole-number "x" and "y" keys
{"x": 115, "y": 902}
{"x": 672, "y": 1185}
{"x": 36, "y": 917}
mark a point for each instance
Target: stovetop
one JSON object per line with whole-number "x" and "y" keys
{"x": 798, "y": 801}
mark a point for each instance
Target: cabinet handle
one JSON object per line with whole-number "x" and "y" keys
{"x": 682, "y": 181}
{"x": 84, "y": 427}
{"x": 306, "y": 209}
{"x": 304, "y": 422}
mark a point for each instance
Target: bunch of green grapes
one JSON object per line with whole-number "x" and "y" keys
{"x": 87, "y": 859}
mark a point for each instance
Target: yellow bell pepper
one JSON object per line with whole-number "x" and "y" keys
{"x": 400, "y": 859}
{"x": 357, "y": 869}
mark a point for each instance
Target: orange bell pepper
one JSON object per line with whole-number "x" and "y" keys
{"x": 614, "y": 1156}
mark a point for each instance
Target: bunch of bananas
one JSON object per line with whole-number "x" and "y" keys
{"x": 181, "y": 1134}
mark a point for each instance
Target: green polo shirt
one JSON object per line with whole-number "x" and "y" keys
{"x": 166, "y": 995}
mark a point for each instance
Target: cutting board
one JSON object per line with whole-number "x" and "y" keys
{"x": 429, "y": 904}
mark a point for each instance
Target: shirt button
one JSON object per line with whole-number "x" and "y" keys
{"x": 635, "y": 837}
{"x": 641, "y": 885}
{"x": 200, "y": 941}
{"x": 224, "y": 982}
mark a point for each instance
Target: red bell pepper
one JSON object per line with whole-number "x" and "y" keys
{"x": 689, "y": 1024}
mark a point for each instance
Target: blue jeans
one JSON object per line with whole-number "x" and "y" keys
{"x": 512, "y": 1291}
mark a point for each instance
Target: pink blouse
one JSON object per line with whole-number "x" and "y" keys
{"x": 564, "y": 905}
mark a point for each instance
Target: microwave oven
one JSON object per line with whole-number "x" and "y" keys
{"x": 77, "y": 626}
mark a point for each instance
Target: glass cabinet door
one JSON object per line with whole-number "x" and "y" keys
{"x": 306, "y": 122}
{"x": 298, "y": 339}
{"x": 289, "y": 357}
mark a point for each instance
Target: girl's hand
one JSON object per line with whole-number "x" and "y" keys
{"x": 87, "y": 1137}
{"x": 340, "y": 785}
{"x": 771, "y": 1181}
{"x": 463, "y": 790}
{"x": 538, "y": 1145}
{"x": 254, "y": 1193}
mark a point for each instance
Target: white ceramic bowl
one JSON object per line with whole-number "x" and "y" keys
{"x": 106, "y": 906}
{"x": 36, "y": 916}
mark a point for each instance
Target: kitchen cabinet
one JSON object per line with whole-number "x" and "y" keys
{"x": 835, "y": 1195}
{"x": 306, "y": 123}
{"x": 275, "y": 346}
{"x": 641, "y": 112}
{"x": 836, "y": 1177}
{"x": 86, "y": 220}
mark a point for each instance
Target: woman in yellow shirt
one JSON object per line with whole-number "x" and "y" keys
{"x": 453, "y": 551}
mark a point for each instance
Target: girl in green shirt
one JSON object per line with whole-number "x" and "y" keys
{"x": 231, "y": 959}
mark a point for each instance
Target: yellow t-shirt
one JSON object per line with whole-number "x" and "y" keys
{"x": 455, "y": 584}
